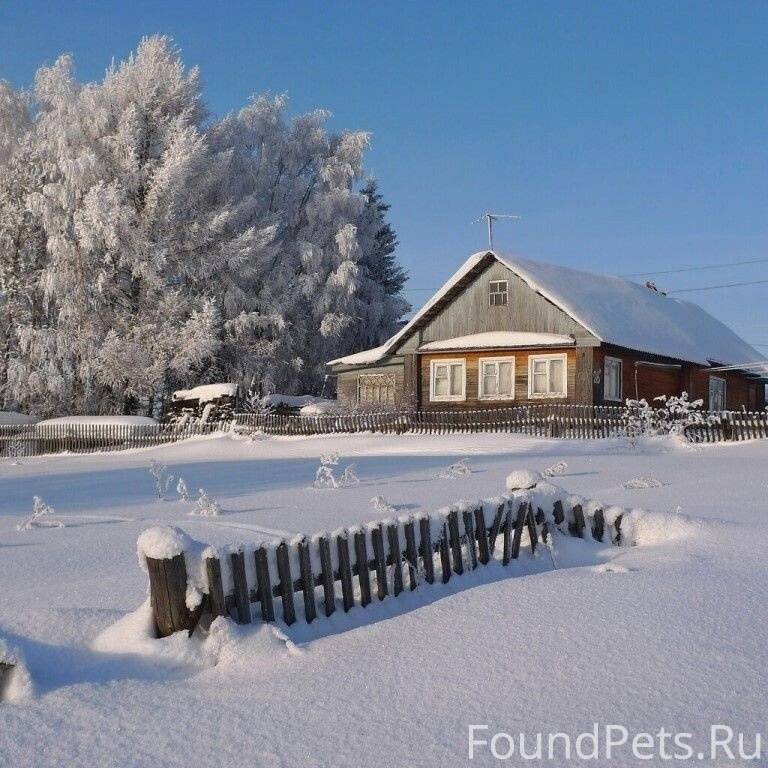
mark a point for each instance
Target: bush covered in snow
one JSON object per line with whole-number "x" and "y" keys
{"x": 205, "y": 506}
{"x": 40, "y": 517}
{"x": 456, "y": 470}
{"x": 162, "y": 478}
{"x": 325, "y": 476}
{"x": 671, "y": 417}
{"x": 556, "y": 469}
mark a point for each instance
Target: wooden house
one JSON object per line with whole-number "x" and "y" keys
{"x": 508, "y": 331}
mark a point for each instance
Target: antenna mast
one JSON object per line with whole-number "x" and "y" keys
{"x": 490, "y": 218}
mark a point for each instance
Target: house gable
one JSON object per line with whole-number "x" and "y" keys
{"x": 470, "y": 312}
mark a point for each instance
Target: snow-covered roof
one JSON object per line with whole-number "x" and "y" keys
{"x": 367, "y": 355}
{"x": 499, "y": 340}
{"x": 289, "y": 401}
{"x": 621, "y": 312}
{"x": 206, "y": 392}
{"x": 614, "y": 310}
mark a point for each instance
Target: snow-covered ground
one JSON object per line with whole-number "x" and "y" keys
{"x": 666, "y": 634}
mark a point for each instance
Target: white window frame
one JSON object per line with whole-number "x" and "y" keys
{"x": 448, "y": 398}
{"x": 498, "y": 292}
{"x": 548, "y": 395}
{"x": 480, "y": 363}
{"x": 725, "y": 391}
{"x": 609, "y": 359}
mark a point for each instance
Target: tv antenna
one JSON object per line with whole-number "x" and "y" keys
{"x": 491, "y": 217}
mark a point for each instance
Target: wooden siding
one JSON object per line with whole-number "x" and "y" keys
{"x": 346, "y": 383}
{"x": 526, "y": 310}
{"x": 741, "y": 391}
{"x": 521, "y": 379}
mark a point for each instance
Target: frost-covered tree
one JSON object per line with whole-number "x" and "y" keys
{"x": 146, "y": 247}
{"x": 22, "y": 243}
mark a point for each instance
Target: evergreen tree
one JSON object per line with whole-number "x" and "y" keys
{"x": 381, "y": 262}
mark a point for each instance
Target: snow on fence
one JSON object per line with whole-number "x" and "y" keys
{"x": 563, "y": 421}
{"x": 190, "y": 582}
{"x": 17, "y": 441}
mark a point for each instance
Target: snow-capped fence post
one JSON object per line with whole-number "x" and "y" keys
{"x": 168, "y": 594}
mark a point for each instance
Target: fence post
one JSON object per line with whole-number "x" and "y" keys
{"x": 168, "y": 595}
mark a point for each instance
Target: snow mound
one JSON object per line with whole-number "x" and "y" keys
{"x": 13, "y": 419}
{"x": 522, "y": 478}
{"x": 162, "y": 543}
{"x": 318, "y": 408}
{"x": 132, "y": 421}
{"x": 639, "y": 483}
{"x": 288, "y": 401}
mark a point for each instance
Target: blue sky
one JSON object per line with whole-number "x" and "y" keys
{"x": 629, "y": 136}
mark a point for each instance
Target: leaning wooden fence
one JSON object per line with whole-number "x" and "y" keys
{"x": 560, "y": 421}
{"x": 380, "y": 560}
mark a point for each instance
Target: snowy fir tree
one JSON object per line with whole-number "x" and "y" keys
{"x": 145, "y": 246}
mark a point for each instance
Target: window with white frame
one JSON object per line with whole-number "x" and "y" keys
{"x": 547, "y": 376}
{"x": 612, "y": 379}
{"x": 716, "y": 393}
{"x": 447, "y": 380}
{"x": 498, "y": 293}
{"x": 496, "y": 378}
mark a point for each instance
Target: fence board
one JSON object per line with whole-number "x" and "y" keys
{"x": 286, "y": 583}
{"x": 326, "y": 568}
{"x": 363, "y": 574}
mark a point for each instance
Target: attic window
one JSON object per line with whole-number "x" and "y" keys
{"x": 498, "y": 292}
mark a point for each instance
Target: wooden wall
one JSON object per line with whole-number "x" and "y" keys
{"x": 521, "y": 379}
{"x": 526, "y": 310}
{"x": 346, "y": 383}
{"x": 651, "y": 382}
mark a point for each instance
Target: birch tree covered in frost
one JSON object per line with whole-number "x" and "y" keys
{"x": 146, "y": 246}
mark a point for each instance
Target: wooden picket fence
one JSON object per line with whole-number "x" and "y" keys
{"x": 575, "y": 422}
{"x": 17, "y": 441}
{"x": 382, "y": 559}
{"x": 545, "y": 420}
{"x": 551, "y": 420}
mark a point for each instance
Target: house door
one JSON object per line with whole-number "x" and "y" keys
{"x": 716, "y": 393}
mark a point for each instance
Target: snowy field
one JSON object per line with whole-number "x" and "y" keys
{"x": 669, "y": 633}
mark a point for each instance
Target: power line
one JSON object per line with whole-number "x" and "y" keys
{"x": 721, "y": 285}
{"x": 696, "y": 269}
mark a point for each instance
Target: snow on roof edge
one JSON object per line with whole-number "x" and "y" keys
{"x": 499, "y": 340}
{"x": 466, "y": 267}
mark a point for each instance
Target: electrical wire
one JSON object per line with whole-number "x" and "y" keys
{"x": 696, "y": 269}
{"x": 713, "y": 287}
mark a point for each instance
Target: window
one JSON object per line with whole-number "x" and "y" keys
{"x": 716, "y": 393}
{"x": 448, "y": 379}
{"x": 496, "y": 378}
{"x": 498, "y": 292}
{"x": 376, "y": 389}
{"x": 547, "y": 376}
{"x": 612, "y": 379}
